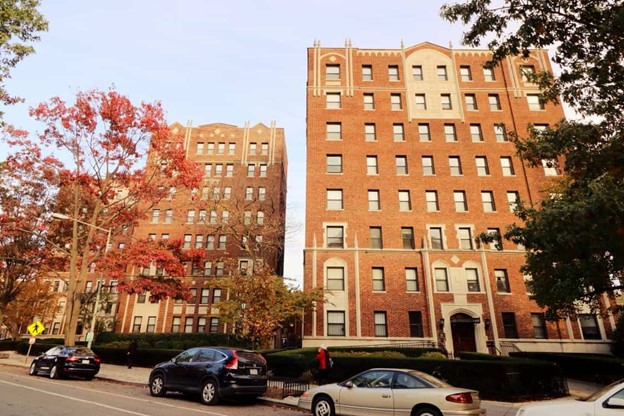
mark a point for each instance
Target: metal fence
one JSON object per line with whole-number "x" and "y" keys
{"x": 288, "y": 386}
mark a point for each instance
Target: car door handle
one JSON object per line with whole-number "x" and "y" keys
{"x": 386, "y": 396}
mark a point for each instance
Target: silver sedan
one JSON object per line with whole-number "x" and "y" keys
{"x": 392, "y": 391}
{"x": 607, "y": 401}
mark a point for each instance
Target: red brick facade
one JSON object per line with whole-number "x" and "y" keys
{"x": 416, "y": 140}
{"x": 243, "y": 193}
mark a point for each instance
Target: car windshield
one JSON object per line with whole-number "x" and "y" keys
{"x": 80, "y": 351}
{"x": 595, "y": 395}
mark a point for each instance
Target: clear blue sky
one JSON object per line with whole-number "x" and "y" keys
{"x": 209, "y": 61}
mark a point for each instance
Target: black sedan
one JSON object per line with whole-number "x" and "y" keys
{"x": 212, "y": 372}
{"x": 62, "y": 361}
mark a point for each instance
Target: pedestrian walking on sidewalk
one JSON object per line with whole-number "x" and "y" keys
{"x": 325, "y": 363}
{"x": 132, "y": 349}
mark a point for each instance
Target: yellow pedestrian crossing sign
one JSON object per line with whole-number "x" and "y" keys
{"x": 36, "y": 328}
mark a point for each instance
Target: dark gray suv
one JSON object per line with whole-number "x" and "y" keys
{"x": 213, "y": 372}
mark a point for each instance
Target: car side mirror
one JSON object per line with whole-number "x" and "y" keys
{"x": 349, "y": 384}
{"x": 614, "y": 403}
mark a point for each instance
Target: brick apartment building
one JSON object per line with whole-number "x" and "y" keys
{"x": 408, "y": 159}
{"x": 242, "y": 196}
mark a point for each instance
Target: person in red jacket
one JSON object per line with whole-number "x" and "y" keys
{"x": 324, "y": 364}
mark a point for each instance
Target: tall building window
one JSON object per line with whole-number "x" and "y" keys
{"x": 259, "y": 218}
{"x": 495, "y": 104}
{"x": 216, "y": 293}
{"x": 405, "y": 203}
{"x": 155, "y": 216}
{"x": 333, "y": 131}
{"x": 252, "y": 148}
{"x": 427, "y": 165}
{"x": 395, "y": 102}
{"x": 369, "y": 132}
{"x": 407, "y": 236}
{"x": 527, "y": 72}
{"x": 445, "y": 102}
{"x": 381, "y": 325}
{"x": 465, "y": 73}
{"x": 263, "y": 170}
{"x": 423, "y": 132}
{"x": 204, "y": 297}
{"x": 455, "y": 166}
{"x": 398, "y": 132}
{"x": 336, "y": 324}
{"x": 441, "y": 279}
{"x": 539, "y": 325}
{"x": 472, "y": 280}
{"x": 450, "y": 133}
{"x": 199, "y": 241}
{"x": 589, "y": 326}
{"x": 261, "y": 193}
{"x": 435, "y": 237}
{"x": 334, "y": 236}
{"x": 188, "y": 325}
{"x": 502, "y": 281}
{"x": 229, "y": 170}
{"x": 441, "y": 72}
{"x": 168, "y": 216}
{"x": 334, "y": 164}
{"x": 497, "y": 243}
{"x": 332, "y": 72}
{"x": 332, "y": 100}
{"x": 475, "y": 133}
{"x": 421, "y": 102}
{"x": 210, "y": 240}
{"x": 411, "y": 279}
{"x": 488, "y": 74}
{"x": 214, "y": 325}
{"x": 175, "y": 324}
{"x": 208, "y": 170}
{"x": 487, "y": 199}
{"x": 369, "y": 102}
{"x": 471, "y": 102}
{"x": 221, "y": 148}
{"x": 464, "y": 234}
{"x": 187, "y": 241}
{"x": 371, "y": 165}
{"x": 376, "y": 240}
{"x": 459, "y": 197}
{"x": 415, "y": 324}
{"x": 513, "y": 198}
{"x": 393, "y": 73}
{"x": 379, "y": 282}
{"x": 334, "y": 199}
{"x": 374, "y": 204}
{"x": 231, "y": 148}
{"x": 535, "y": 102}
{"x": 222, "y": 242}
{"x": 482, "y": 166}
{"x": 335, "y": 278}
{"x": 264, "y": 148}
{"x": 367, "y": 73}
{"x": 509, "y": 325}
{"x": 200, "y": 148}
{"x": 211, "y": 148}
{"x": 401, "y": 165}
{"x": 551, "y": 168}
{"x": 136, "y": 324}
{"x": 507, "y": 166}
{"x": 431, "y": 198}
{"x": 251, "y": 170}
{"x": 249, "y": 193}
{"x": 417, "y": 73}
{"x": 500, "y": 133}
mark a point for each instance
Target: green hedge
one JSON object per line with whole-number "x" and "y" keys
{"x": 8, "y": 345}
{"x": 177, "y": 341}
{"x": 594, "y": 368}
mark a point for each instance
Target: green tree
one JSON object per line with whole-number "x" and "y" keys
{"x": 20, "y": 22}
{"x": 574, "y": 239}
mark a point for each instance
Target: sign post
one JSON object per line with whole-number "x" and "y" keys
{"x": 35, "y": 329}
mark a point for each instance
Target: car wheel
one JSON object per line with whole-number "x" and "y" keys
{"x": 426, "y": 411}
{"x": 54, "y": 372}
{"x": 157, "y": 385}
{"x": 33, "y": 369}
{"x": 89, "y": 377}
{"x": 209, "y": 392}
{"x": 323, "y": 406}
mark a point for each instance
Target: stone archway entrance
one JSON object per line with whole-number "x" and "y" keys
{"x": 463, "y": 329}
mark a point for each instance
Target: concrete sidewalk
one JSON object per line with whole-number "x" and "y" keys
{"x": 140, "y": 376}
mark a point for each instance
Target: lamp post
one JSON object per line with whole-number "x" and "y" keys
{"x": 90, "y": 335}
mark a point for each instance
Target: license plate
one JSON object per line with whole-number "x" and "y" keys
{"x": 85, "y": 361}
{"x": 253, "y": 371}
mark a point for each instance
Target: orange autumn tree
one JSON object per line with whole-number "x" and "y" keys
{"x": 106, "y": 183}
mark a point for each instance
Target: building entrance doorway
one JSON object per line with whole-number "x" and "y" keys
{"x": 463, "y": 329}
